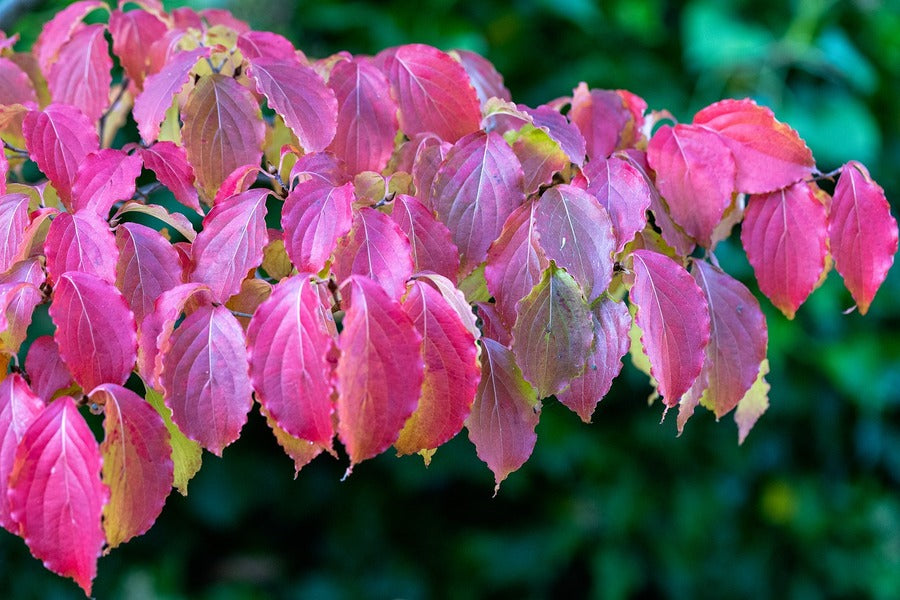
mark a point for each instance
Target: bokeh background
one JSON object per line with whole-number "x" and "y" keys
{"x": 808, "y": 507}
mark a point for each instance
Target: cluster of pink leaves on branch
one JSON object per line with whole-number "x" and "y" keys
{"x": 390, "y": 251}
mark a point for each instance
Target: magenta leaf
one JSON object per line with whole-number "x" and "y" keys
{"x": 379, "y": 372}
{"x": 59, "y": 138}
{"x": 81, "y": 242}
{"x": 205, "y": 377}
{"x": 151, "y": 104}
{"x": 695, "y": 173}
{"x": 505, "y": 413}
{"x": 81, "y": 76}
{"x": 255, "y": 44}
{"x": 488, "y": 83}
{"x": 231, "y": 243}
{"x": 451, "y": 371}
{"x": 104, "y": 178}
{"x": 323, "y": 166}
{"x": 674, "y": 321}
{"x": 55, "y": 492}
{"x": 170, "y": 165}
{"x": 15, "y": 85}
{"x": 137, "y": 463}
{"x": 429, "y": 157}
{"x": 625, "y": 194}
{"x": 13, "y": 221}
{"x": 17, "y": 303}
{"x": 611, "y": 321}
{"x": 431, "y": 245}
{"x": 148, "y": 266}
{"x": 315, "y": 216}
{"x": 19, "y": 406}
{"x": 298, "y": 94}
{"x": 602, "y": 116}
{"x": 455, "y": 298}
{"x": 862, "y": 233}
{"x": 58, "y": 31}
{"x": 377, "y": 248}
{"x": 784, "y": 234}
{"x": 434, "y": 93}
{"x": 45, "y": 368}
{"x": 477, "y": 187}
{"x": 133, "y": 34}
{"x": 289, "y": 366}
{"x": 577, "y": 233}
{"x": 366, "y": 118}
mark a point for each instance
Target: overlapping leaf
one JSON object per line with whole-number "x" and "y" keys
{"x": 170, "y": 165}
{"x": 315, "y": 216}
{"x": 45, "y": 368}
{"x": 602, "y": 116}
{"x": 186, "y": 454}
{"x": 19, "y": 406}
{"x": 58, "y": 30}
{"x": 81, "y": 75}
{"x": 488, "y": 83}
{"x": 104, "y": 178}
{"x": 13, "y": 221}
{"x": 15, "y": 85}
{"x": 430, "y": 242}
{"x": 625, "y": 194}
{"x": 133, "y": 34}
{"x": 151, "y": 104}
{"x": 81, "y": 242}
{"x": 148, "y": 266}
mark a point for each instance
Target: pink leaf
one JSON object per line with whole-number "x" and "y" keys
{"x": 238, "y": 181}
{"x": 455, "y": 298}
{"x": 784, "y": 234}
{"x": 622, "y": 190}
{"x": 576, "y": 232}
{"x": 434, "y": 93}
{"x": 505, "y": 413}
{"x": 55, "y": 492}
{"x": 695, "y": 173}
{"x": 231, "y": 243}
{"x": 298, "y": 94}
{"x": 862, "y": 232}
{"x": 19, "y": 406}
{"x": 428, "y": 159}
{"x": 13, "y": 221}
{"x": 602, "y": 116}
{"x": 151, "y": 104}
{"x": 81, "y": 242}
{"x": 137, "y": 463}
{"x": 323, "y": 166}
{"x": 133, "y": 34}
{"x": 432, "y": 247}
{"x": 492, "y": 325}
{"x": 289, "y": 365}
{"x": 478, "y": 186}
{"x": 377, "y": 248}
{"x": 17, "y": 303}
{"x": 611, "y": 322}
{"x": 95, "y": 330}
{"x": 205, "y": 377}
{"x": 104, "y": 178}
{"x": 366, "y": 118}
{"x": 170, "y": 165}
{"x": 488, "y": 83}
{"x": 315, "y": 216}
{"x": 379, "y": 372}
{"x": 15, "y": 85}
{"x": 58, "y": 139}
{"x": 674, "y": 322}
{"x": 256, "y": 44}
{"x": 45, "y": 368}
{"x": 81, "y": 76}
{"x": 148, "y": 266}
{"x": 58, "y": 30}
{"x": 451, "y": 371}
{"x": 769, "y": 155}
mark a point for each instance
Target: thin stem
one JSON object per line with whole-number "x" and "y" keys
{"x": 113, "y": 105}
{"x": 143, "y": 192}
{"x": 15, "y": 150}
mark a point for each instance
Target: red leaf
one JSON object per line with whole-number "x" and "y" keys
{"x": 505, "y": 413}
{"x": 15, "y": 85}
{"x": 82, "y": 74}
{"x": 298, "y": 94}
{"x": 612, "y": 322}
{"x": 674, "y": 322}
{"x": 148, "y": 266}
{"x": 488, "y": 83}
{"x": 58, "y": 30}
{"x": 81, "y": 242}
{"x": 205, "y": 377}
{"x": 434, "y": 93}
{"x": 515, "y": 262}
{"x": 315, "y": 216}
{"x": 150, "y": 105}
{"x": 624, "y": 192}
{"x": 45, "y": 368}
{"x": 289, "y": 365}
{"x": 95, "y": 330}
{"x": 170, "y": 165}
{"x": 576, "y": 232}
{"x": 104, "y": 178}
{"x": 379, "y": 372}
{"x": 254, "y": 44}
{"x": 137, "y": 463}
{"x": 862, "y": 232}
{"x": 784, "y": 234}
{"x": 769, "y": 155}
{"x": 477, "y": 187}
{"x": 377, "y": 248}
{"x": 133, "y": 34}
{"x": 13, "y": 221}
{"x": 492, "y": 325}
{"x": 231, "y": 243}
{"x": 552, "y": 335}
{"x": 602, "y": 116}
{"x": 432, "y": 247}
{"x": 451, "y": 372}
{"x": 19, "y": 406}
{"x": 58, "y": 139}
{"x": 366, "y": 118}
{"x": 695, "y": 173}
{"x": 55, "y": 492}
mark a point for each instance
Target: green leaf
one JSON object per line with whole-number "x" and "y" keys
{"x": 753, "y": 404}
{"x": 186, "y": 453}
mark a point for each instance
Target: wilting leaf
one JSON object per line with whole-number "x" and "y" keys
{"x": 148, "y": 266}
{"x": 81, "y": 242}
{"x": 19, "y": 406}
{"x": 81, "y": 75}
{"x": 315, "y": 216}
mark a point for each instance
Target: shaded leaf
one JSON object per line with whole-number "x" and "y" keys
{"x": 45, "y": 368}
{"x": 133, "y": 34}
{"x": 14, "y": 219}
{"x": 753, "y": 404}
{"x": 186, "y": 454}
{"x": 151, "y": 104}
{"x": 170, "y": 165}
{"x": 601, "y": 116}
{"x": 301, "y": 451}
{"x": 625, "y": 194}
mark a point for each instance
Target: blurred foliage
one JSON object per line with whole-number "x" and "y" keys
{"x": 808, "y": 507}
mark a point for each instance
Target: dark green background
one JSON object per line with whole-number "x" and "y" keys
{"x": 808, "y": 507}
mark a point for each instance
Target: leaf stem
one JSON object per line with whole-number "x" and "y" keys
{"x": 15, "y": 150}
{"x": 113, "y": 105}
